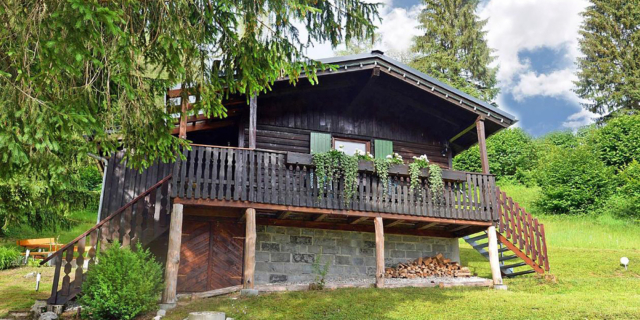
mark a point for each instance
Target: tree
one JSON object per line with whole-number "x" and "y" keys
{"x": 511, "y": 152}
{"x": 453, "y": 49}
{"x": 83, "y": 76}
{"x": 609, "y": 70}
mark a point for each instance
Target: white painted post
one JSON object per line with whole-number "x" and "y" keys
{"x": 494, "y": 259}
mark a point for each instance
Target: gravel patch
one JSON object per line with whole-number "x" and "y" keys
{"x": 391, "y": 282}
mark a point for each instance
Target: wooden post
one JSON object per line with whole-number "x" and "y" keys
{"x": 249, "y": 249}
{"x": 184, "y": 102}
{"x": 173, "y": 255}
{"x": 379, "y": 252}
{"x": 482, "y": 145}
{"x": 253, "y": 105}
{"x": 494, "y": 257}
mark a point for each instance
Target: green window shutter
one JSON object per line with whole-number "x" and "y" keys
{"x": 320, "y": 142}
{"x": 383, "y": 148}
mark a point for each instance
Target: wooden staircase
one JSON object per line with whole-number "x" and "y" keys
{"x": 521, "y": 239}
{"x": 141, "y": 220}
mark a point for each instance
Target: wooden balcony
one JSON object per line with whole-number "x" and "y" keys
{"x": 272, "y": 180}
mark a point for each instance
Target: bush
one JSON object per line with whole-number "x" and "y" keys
{"x": 626, "y": 203}
{"x": 124, "y": 284}
{"x": 572, "y": 180}
{"x": 619, "y": 141}
{"x": 9, "y": 258}
{"x": 512, "y": 153}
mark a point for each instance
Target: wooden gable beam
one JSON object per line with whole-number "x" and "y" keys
{"x": 366, "y": 89}
{"x": 394, "y": 223}
{"x": 358, "y": 220}
{"x": 320, "y": 217}
{"x": 424, "y": 226}
{"x": 463, "y": 132}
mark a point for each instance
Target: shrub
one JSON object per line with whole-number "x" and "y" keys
{"x": 9, "y": 258}
{"x": 626, "y": 203}
{"x": 572, "y": 180}
{"x": 619, "y": 141}
{"x": 511, "y": 153}
{"x": 124, "y": 284}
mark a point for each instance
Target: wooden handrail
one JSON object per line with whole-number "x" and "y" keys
{"x": 524, "y": 234}
{"x": 107, "y": 219}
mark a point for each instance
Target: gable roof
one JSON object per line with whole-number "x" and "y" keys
{"x": 425, "y": 81}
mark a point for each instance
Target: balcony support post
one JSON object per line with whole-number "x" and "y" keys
{"x": 173, "y": 256}
{"x": 249, "y": 249}
{"x": 253, "y": 106}
{"x": 482, "y": 145}
{"x": 184, "y": 103}
{"x": 494, "y": 257}
{"x": 379, "y": 228}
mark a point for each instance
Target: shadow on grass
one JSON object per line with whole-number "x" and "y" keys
{"x": 336, "y": 304}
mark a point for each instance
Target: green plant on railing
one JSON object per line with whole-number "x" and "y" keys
{"x": 415, "y": 167}
{"x": 382, "y": 169}
{"x": 334, "y": 164}
{"x": 435, "y": 174}
{"x": 435, "y": 180}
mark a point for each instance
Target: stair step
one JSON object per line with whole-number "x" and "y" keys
{"x": 476, "y": 238}
{"x": 515, "y": 274}
{"x": 515, "y": 265}
{"x": 505, "y": 258}
{"x": 480, "y": 245}
{"x": 486, "y": 254}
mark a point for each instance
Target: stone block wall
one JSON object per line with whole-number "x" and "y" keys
{"x": 285, "y": 254}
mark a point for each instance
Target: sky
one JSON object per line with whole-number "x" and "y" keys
{"x": 536, "y": 46}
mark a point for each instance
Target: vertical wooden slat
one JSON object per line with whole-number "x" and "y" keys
{"x": 126, "y": 235}
{"x": 221, "y": 173}
{"x": 252, "y": 175}
{"x": 77, "y": 282}
{"x": 183, "y": 174}
{"x": 229, "y": 182}
{"x": 274, "y": 165}
{"x": 198, "y": 181}
{"x": 544, "y": 247}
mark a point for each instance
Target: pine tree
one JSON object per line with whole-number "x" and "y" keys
{"x": 453, "y": 48}
{"x": 609, "y": 71}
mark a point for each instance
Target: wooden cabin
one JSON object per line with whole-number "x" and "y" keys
{"x": 244, "y": 208}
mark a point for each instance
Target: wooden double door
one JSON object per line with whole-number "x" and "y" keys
{"x": 211, "y": 255}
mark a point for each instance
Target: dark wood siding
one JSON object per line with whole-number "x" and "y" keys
{"x": 286, "y": 124}
{"x": 123, "y": 184}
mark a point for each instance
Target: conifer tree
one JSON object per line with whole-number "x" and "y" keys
{"x": 453, "y": 48}
{"x": 609, "y": 71}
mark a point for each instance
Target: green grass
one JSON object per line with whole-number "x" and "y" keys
{"x": 18, "y": 292}
{"x": 584, "y": 253}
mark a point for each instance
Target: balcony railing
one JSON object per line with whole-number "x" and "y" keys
{"x": 289, "y": 179}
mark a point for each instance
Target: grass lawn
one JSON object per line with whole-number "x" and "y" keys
{"x": 584, "y": 253}
{"x": 18, "y": 292}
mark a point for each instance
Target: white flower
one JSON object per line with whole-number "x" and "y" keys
{"x": 389, "y": 157}
{"x": 341, "y": 146}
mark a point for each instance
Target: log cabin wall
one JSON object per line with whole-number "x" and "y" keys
{"x": 286, "y": 124}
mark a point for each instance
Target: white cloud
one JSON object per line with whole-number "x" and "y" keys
{"x": 397, "y": 29}
{"x": 580, "y": 119}
{"x": 519, "y": 25}
{"x": 557, "y": 84}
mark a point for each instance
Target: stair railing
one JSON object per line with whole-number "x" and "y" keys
{"x": 135, "y": 222}
{"x": 522, "y": 232}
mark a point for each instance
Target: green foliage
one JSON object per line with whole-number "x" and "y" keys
{"x": 626, "y": 202}
{"x": 74, "y": 72}
{"x": 453, "y": 48}
{"x": 619, "y": 141}
{"x": 320, "y": 272}
{"x": 415, "y": 167}
{"x": 382, "y": 169}
{"x": 124, "y": 284}
{"x": 9, "y": 258}
{"x": 511, "y": 153}
{"x": 572, "y": 180}
{"x": 608, "y": 71}
{"x": 43, "y": 203}
{"x": 333, "y": 165}
{"x": 435, "y": 180}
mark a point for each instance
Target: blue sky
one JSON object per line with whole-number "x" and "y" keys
{"x": 535, "y": 43}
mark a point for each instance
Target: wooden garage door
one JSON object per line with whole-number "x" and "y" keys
{"x": 210, "y": 255}
{"x": 227, "y": 246}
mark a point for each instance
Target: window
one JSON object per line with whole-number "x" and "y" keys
{"x": 349, "y": 146}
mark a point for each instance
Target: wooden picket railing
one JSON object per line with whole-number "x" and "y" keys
{"x": 522, "y": 233}
{"x": 281, "y": 178}
{"x": 141, "y": 220}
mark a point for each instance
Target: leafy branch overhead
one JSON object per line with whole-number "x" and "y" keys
{"x": 90, "y": 76}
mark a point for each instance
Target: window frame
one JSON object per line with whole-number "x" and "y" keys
{"x": 367, "y": 143}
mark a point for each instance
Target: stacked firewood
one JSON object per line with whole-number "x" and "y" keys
{"x": 436, "y": 266}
